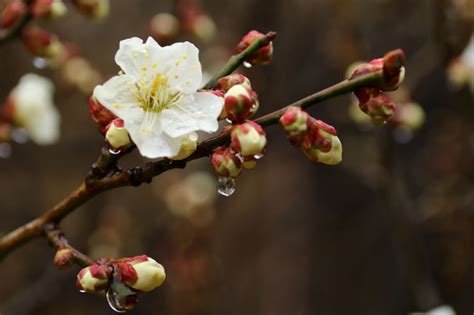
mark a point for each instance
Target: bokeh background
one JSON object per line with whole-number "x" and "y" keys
{"x": 388, "y": 231}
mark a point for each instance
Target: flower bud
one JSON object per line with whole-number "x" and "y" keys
{"x": 263, "y": 56}
{"x": 116, "y": 136}
{"x": 12, "y": 13}
{"x": 225, "y": 83}
{"x": 332, "y": 156}
{"x": 141, "y": 273}
{"x": 64, "y": 258}
{"x": 164, "y": 28}
{"x": 94, "y": 278}
{"x": 95, "y": 9}
{"x": 225, "y": 162}
{"x": 41, "y": 43}
{"x": 376, "y": 104}
{"x": 410, "y": 115}
{"x": 240, "y": 103}
{"x": 295, "y": 123}
{"x": 101, "y": 115}
{"x": 248, "y": 139}
{"x": 188, "y": 146}
{"x": 49, "y": 8}
{"x": 249, "y": 163}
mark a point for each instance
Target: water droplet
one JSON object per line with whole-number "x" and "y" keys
{"x": 247, "y": 64}
{"x": 5, "y": 150}
{"x": 114, "y": 151}
{"x": 19, "y": 135}
{"x": 225, "y": 186}
{"x": 121, "y": 303}
{"x": 229, "y": 121}
{"x": 40, "y": 63}
{"x": 82, "y": 291}
{"x": 258, "y": 156}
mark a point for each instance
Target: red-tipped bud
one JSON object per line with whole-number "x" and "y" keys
{"x": 49, "y": 8}
{"x": 376, "y": 104}
{"x": 321, "y": 143}
{"x": 164, "y": 27}
{"x": 94, "y": 278}
{"x": 226, "y": 163}
{"x": 295, "y": 123}
{"x": 140, "y": 273}
{"x": 41, "y": 43}
{"x": 248, "y": 139}
{"x": 101, "y": 115}
{"x": 11, "y": 14}
{"x": 240, "y": 103}
{"x": 64, "y": 258}
{"x": 263, "y": 56}
{"x": 95, "y": 9}
{"x": 224, "y": 84}
{"x": 116, "y": 136}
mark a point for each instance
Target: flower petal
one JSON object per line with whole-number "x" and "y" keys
{"x": 136, "y": 58}
{"x": 197, "y": 112}
{"x": 44, "y": 128}
{"x": 118, "y": 96}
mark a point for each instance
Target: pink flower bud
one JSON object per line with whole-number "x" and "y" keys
{"x": 64, "y": 258}
{"x": 225, "y": 162}
{"x": 49, "y": 8}
{"x": 95, "y": 9}
{"x": 295, "y": 123}
{"x": 225, "y": 83}
{"x": 101, "y": 115}
{"x": 376, "y": 104}
{"x": 263, "y": 56}
{"x": 164, "y": 28}
{"x": 41, "y": 43}
{"x": 240, "y": 103}
{"x": 11, "y": 13}
{"x": 332, "y": 156}
{"x": 141, "y": 273}
{"x": 248, "y": 139}
{"x": 116, "y": 136}
{"x": 94, "y": 278}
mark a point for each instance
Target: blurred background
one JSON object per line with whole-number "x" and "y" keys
{"x": 388, "y": 231}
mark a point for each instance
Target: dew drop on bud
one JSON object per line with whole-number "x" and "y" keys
{"x": 82, "y": 291}
{"x": 114, "y": 151}
{"x": 120, "y": 298}
{"x": 258, "y": 156}
{"x": 40, "y": 63}
{"x": 225, "y": 186}
{"x": 115, "y": 302}
{"x": 247, "y": 64}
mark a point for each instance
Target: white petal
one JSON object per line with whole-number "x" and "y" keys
{"x": 154, "y": 143}
{"x": 197, "y": 112}
{"x": 182, "y": 67}
{"x": 43, "y": 129}
{"x": 117, "y": 95}
{"x": 136, "y": 58}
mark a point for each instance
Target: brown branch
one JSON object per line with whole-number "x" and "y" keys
{"x": 145, "y": 174}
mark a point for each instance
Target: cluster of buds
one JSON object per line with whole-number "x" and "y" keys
{"x": 372, "y": 100}
{"x": 95, "y": 9}
{"x": 317, "y": 140}
{"x": 12, "y": 13}
{"x": 263, "y": 56}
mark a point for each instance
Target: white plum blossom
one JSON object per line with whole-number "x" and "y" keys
{"x": 156, "y": 96}
{"x": 467, "y": 59}
{"x": 34, "y": 110}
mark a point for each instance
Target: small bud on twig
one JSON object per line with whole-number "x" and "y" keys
{"x": 248, "y": 139}
{"x": 226, "y": 163}
{"x": 263, "y": 56}
{"x": 94, "y": 278}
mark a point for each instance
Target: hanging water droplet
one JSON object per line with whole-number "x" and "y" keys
{"x": 258, "y": 156}
{"x": 114, "y": 151}
{"x": 225, "y": 186}
{"x": 247, "y": 64}
{"x": 121, "y": 303}
{"x": 82, "y": 291}
{"x": 5, "y": 150}
{"x": 19, "y": 135}
{"x": 40, "y": 63}
{"x": 229, "y": 121}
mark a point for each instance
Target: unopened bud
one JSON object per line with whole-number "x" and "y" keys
{"x": 240, "y": 103}
{"x": 94, "y": 278}
{"x": 41, "y": 43}
{"x": 141, "y": 273}
{"x": 295, "y": 123}
{"x": 164, "y": 28}
{"x": 96, "y": 9}
{"x": 331, "y": 157}
{"x": 49, "y": 8}
{"x": 188, "y": 146}
{"x": 226, "y": 163}
{"x": 262, "y": 56}
{"x": 101, "y": 115}
{"x": 116, "y": 135}
{"x": 376, "y": 104}
{"x": 12, "y": 13}
{"x": 224, "y": 84}
{"x": 64, "y": 258}
{"x": 248, "y": 139}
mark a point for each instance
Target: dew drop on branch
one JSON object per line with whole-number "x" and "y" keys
{"x": 258, "y": 156}
{"x": 225, "y": 186}
{"x": 247, "y": 64}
